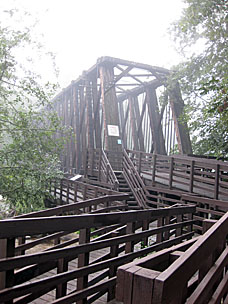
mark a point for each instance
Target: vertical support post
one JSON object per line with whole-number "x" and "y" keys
{"x": 3, "y": 254}
{"x": 190, "y": 218}
{"x": 159, "y": 237}
{"x": 130, "y": 245}
{"x": 75, "y": 192}
{"x": 99, "y": 166}
{"x": 21, "y": 240}
{"x": 107, "y": 173}
{"x": 145, "y": 226}
{"x": 92, "y": 151}
{"x": 181, "y": 128}
{"x": 10, "y": 251}
{"x": 112, "y": 269}
{"x": 110, "y": 107}
{"x": 179, "y": 220}
{"x": 155, "y": 123}
{"x": 86, "y": 163}
{"x": 83, "y": 260}
{"x": 216, "y": 189}
{"x": 171, "y": 173}
{"x": 68, "y": 192}
{"x": 61, "y": 289}
{"x": 166, "y": 234}
{"x": 140, "y": 162}
{"x": 154, "y": 169}
{"x": 191, "y": 182}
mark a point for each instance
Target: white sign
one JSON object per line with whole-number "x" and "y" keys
{"x": 113, "y": 130}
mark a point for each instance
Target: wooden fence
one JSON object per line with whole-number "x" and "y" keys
{"x": 96, "y": 164}
{"x": 69, "y": 191}
{"x": 125, "y": 236}
{"x": 189, "y": 174}
{"x": 183, "y": 274}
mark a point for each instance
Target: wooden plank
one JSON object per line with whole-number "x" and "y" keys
{"x": 128, "y": 283}
{"x": 143, "y": 284}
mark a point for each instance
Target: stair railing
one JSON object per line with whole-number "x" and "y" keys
{"x": 106, "y": 173}
{"x": 134, "y": 181}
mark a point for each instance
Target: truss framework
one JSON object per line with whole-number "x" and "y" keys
{"x": 116, "y": 103}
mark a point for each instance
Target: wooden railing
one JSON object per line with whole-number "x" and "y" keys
{"x": 97, "y": 164}
{"x": 134, "y": 181}
{"x": 67, "y": 191}
{"x": 182, "y": 274}
{"x": 115, "y": 159}
{"x": 130, "y": 232}
{"x": 193, "y": 175}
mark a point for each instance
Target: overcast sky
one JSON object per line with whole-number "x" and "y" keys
{"x": 80, "y": 31}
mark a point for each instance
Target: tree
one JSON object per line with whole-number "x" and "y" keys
{"x": 202, "y": 37}
{"x": 29, "y": 149}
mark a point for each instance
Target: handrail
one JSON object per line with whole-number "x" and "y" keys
{"x": 97, "y": 163}
{"x": 35, "y": 225}
{"x": 110, "y": 176}
{"x": 68, "y": 191}
{"x": 201, "y": 256}
{"x": 127, "y": 232}
{"x": 194, "y": 175}
{"x": 134, "y": 181}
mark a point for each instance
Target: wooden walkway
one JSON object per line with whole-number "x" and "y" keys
{"x": 71, "y": 285}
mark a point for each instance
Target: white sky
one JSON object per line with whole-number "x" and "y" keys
{"x": 80, "y": 31}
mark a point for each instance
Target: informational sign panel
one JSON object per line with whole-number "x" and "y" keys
{"x": 113, "y": 130}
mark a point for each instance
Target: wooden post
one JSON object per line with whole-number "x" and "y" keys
{"x": 159, "y": 237}
{"x": 154, "y": 169}
{"x": 140, "y": 162}
{"x": 83, "y": 260}
{"x": 145, "y": 226}
{"x": 171, "y": 173}
{"x": 61, "y": 289}
{"x": 10, "y": 252}
{"x": 112, "y": 269}
{"x": 216, "y": 190}
{"x": 191, "y": 182}
{"x": 129, "y": 247}
{"x": 2, "y": 255}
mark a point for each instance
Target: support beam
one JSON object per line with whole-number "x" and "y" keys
{"x": 177, "y": 105}
{"x": 153, "y": 110}
{"x": 110, "y": 109}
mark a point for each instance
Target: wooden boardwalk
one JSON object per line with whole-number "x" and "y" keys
{"x": 71, "y": 285}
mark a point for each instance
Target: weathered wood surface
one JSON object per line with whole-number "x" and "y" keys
{"x": 105, "y": 95}
{"x": 192, "y": 272}
{"x": 118, "y": 236}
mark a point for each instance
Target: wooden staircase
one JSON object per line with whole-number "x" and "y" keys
{"x": 124, "y": 188}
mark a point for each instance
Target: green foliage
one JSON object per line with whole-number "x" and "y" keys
{"x": 202, "y": 37}
{"x": 29, "y": 155}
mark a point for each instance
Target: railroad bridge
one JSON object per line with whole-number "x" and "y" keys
{"x": 137, "y": 224}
